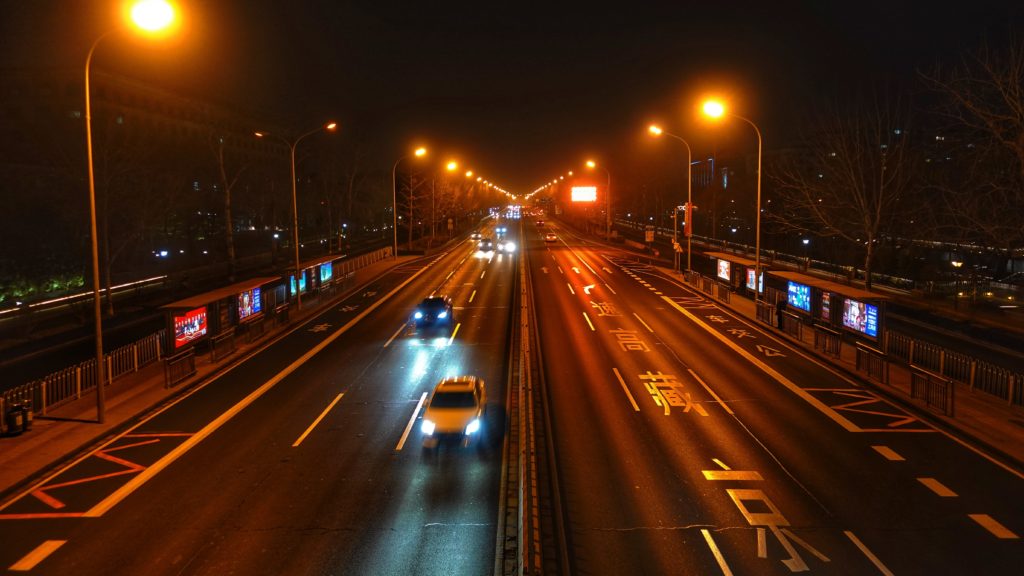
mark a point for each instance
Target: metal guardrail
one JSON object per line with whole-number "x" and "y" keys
{"x": 792, "y": 325}
{"x": 873, "y": 362}
{"x": 937, "y": 391}
{"x": 827, "y": 340}
{"x": 722, "y": 292}
{"x": 179, "y": 367}
{"x": 222, "y": 345}
{"x": 71, "y": 383}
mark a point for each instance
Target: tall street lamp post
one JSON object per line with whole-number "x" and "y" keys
{"x": 657, "y": 131}
{"x": 394, "y": 196}
{"x": 151, "y": 16}
{"x": 714, "y": 109}
{"x": 608, "y": 199}
{"x": 330, "y": 127}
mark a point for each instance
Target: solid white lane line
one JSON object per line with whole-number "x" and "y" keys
{"x": 888, "y": 453}
{"x": 989, "y": 523}
{"x": 626, "y": 390}
{"x": 155, "y": 468}
{"x": 937, "y": 487}
{"x": 649, "y": 329}
{"x": 36, "y": 556}
{"x": 471, "y": 296}
{"x": 718, "y": 553}
{"x": 592, "y": 329}
{"x": 317, "y": 421}
{"x": 710, "y": 391}
{"x": 743, "y": 475}
{"x": 610, "y": 289}
{"x": 573, "y": 292}
{"x": 395, "y": 335}
{"x": 870, "y": 555}
{"x": 408, "y": 427}
{"x": 454, "y": 332}
{"x": 805, "y": 395}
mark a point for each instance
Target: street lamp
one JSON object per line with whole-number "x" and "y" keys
{"x": 714, "y": 109}
{"x": 608, "y": 199}
{"x": 330, "y": 127}
{"x": 151, "y": 16}
{"x": 421, "y": 151}
{"x": 657, "y": 131}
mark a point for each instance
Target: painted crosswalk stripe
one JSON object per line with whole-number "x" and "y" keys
{"x": 36, "y": 556}
{"x": 989, "y": 523}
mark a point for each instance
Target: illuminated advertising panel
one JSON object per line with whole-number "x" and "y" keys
{"x": 826, "y": 305}
{"x": 798, "y": 296}
{"x": 584, "y": 193}
{"x": 302, "y": 282}
{"x": 189, "y": 326}
{"x": 326, "y": 272}
{"x": 724, "y": 270}
{"x": 861, "y": 317}
{"x": 249, "y": 303}
{"x": 750, "y": 279}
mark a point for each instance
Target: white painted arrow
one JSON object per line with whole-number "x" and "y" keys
{"x": 586, "y": 289}
{"x": 544, "y": 269}
{"x": 768, "y": 351}
{"x": 575, "y": 269}
{"x": 607, "y": 269}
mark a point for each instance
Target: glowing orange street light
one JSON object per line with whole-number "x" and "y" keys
{"x": 715, "y": 109}
{"x": 150, "y": 16}
{"x": 657, "y": 131}
{"x": 419, "y": 153}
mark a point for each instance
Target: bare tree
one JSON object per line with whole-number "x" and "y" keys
{"x": 853, "y": 179}
{"x": 982, "y": 104}
{"x": 227, "y": 183}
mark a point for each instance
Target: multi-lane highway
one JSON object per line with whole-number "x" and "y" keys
{"x": 688, "y": 440}
{"x": 685, "y": 440}
{"x": 306, "y": 458}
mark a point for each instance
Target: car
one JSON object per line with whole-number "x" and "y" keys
{"x": 475, "y": 236}
{"x": 485, "y": 245}
{"x": 500, "y": 231}
{"x": 550, "y": 237}
{"x": 455, "y": 411}
{"x": 434, "y": 312}
{"x": 540, "y": 223}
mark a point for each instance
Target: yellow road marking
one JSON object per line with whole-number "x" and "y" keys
{"x": 317, "y": 421}
{"x": 937, "y": 487}
{"x": 745, "y": 475}
{"x": 649, "y": 329}
{"x": 454, "y": 332}
{"x": 626, "y": 390}
{"x": 870, "y": 555}
{"x": 990, "y": 524}
{"x": 846, "y": 424}
{"x": 710, "y": 391}
{"x": 36, "y": 556}
{"x": 471, "y": 296}
{"x": 888, "y": 453}
{"x": 144, "y": 476}
{"x": 482, "y": 273}
{"x": 592, "y": 329}
{"x": 714, "y": 550}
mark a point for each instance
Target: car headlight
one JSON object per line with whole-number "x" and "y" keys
{"x": 428, "y": 427}
{"x": 418, "y": 315}
{"x": 442, "y": 315}
{"x": 510, "y": 247}
{"x": 473, "y": 427}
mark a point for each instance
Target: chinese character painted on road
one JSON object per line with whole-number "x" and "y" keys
{"x": 604, "y": 308}
{"x": 668, "y": 392}
{"x": 718, "y": 319}
{"x": 629, "y": 341}
{"x": 740, "y": 333}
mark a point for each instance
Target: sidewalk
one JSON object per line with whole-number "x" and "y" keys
{"x": 982, "y": 418}
{"x": 65, "y": 431}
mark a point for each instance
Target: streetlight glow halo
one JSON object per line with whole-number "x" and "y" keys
{"x": 152, "y": 15}
{"x": 713, "y": 109}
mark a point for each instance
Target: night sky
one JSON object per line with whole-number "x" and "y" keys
{"x": 519, "y": 91}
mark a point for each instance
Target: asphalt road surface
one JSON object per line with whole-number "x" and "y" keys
{"x": 689, "y": 441}
{"x": 306, "y": 458}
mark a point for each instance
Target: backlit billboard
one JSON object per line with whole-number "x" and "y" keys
{"x": 584, "y": 193}
{"x": 189, "y": 326}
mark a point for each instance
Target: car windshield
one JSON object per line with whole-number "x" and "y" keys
{"x": 453, "y": 400}
{"x": 432, "y": 303}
